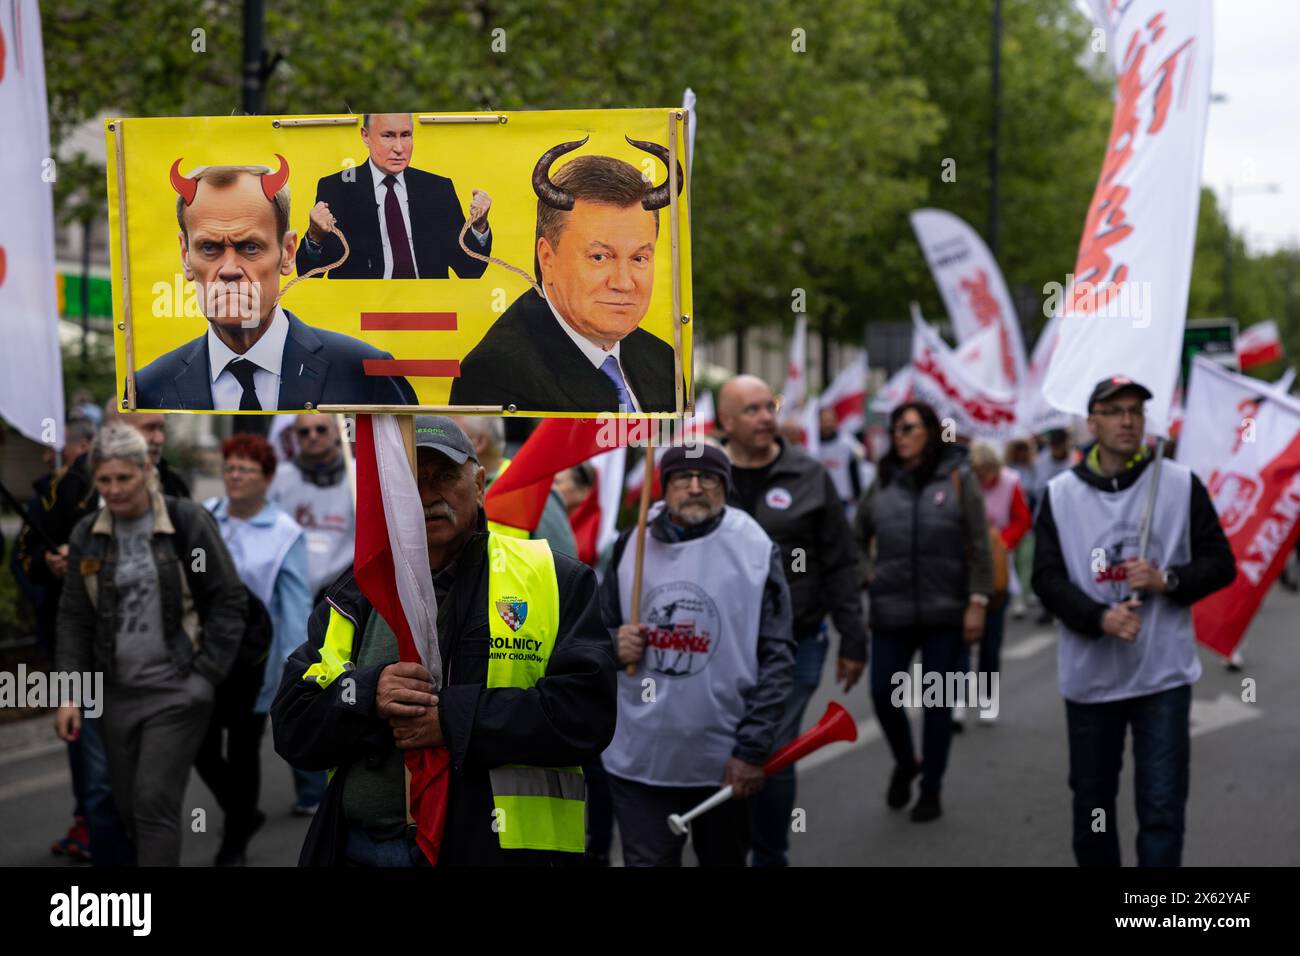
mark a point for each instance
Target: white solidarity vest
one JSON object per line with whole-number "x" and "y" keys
{"x": 327, "y": 519}
{"x": 702, "y": 599}
{"x": 1098, "y": 530}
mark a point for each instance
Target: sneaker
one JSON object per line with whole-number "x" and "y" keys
{"x": 305, "y": 809}
{"x": 1236, "y": 662}
{"x": 927, "y": 807}
{"x": 1018, "y": 609}
{"x": 959, "y": 720}
{"x": 900, "y": 786}
{"x": 76, "y": 843}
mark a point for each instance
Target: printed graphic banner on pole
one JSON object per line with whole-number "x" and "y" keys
{"x": 431, "y": 273}
{"x": 973, "y": 290}
{"x": 1242, "y": 438}
{"x": 1126, "y": 303}
{"x": 31, "y": 365}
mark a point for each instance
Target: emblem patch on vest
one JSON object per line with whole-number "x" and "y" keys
{"x": 513, "y": 612}
{"x": 684, "y": 629}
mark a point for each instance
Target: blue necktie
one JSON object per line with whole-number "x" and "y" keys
{"x": 611, "y": 369}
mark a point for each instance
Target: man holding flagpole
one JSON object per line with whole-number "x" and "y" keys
{"x": 516, "y": 693}
{"x": 1126, "y": 654}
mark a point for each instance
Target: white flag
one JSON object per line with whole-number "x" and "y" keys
{"x": 1125, "y": 305}
{"x": 847, "y": 394}
{"x": 938, "y": 378}
{"x": 609, "y": 467}
{"x": 974, "y": 292}
{"x": 31, "y": 365}
{"x": 1242, "y": 438}
{"x": 895, "y": 392}
{"x": 1034, "y": 414}
{"x": 796, "y": 375}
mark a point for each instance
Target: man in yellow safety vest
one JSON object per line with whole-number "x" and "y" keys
{"x": 528, "y": 697}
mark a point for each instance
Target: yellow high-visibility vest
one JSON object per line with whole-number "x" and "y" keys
{"x": 535, "y": 808}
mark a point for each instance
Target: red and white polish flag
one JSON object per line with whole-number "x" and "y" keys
{"x": 392, "y": 570}
{"x": 1259, "y": 344}
{"x": 1242, "y": 438}
{"x": 847, "y": 394}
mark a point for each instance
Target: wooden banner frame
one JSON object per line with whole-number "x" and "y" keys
{"x": 684, "y": 386}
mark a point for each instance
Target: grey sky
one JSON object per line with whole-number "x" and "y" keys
{"x": 1254, "y": 138}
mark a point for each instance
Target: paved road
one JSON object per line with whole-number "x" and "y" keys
{"x": 1005, "y": 797}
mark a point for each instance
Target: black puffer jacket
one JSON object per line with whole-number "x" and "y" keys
{"x": 931, "y": 545}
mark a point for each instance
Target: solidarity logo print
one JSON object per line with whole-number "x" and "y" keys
{"x": 684, "y": 629}
{"x": 1119, "y": 544}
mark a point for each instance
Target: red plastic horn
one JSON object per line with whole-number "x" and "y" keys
{"x": 183, "y": 184}
{"x": 272, "y": 183}
{"x": 836, "y": 724}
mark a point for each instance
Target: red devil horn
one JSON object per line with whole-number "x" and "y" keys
{"x": 183, "y": 185}
{"x": 272, "y": 183}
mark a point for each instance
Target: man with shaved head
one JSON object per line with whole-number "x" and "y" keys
{"x": 235, "y": 244}
{"x": 794, "y": 500}
{"x": 400, "y": 222}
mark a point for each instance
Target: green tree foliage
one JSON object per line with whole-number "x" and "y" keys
{"x": 821, "y": 125}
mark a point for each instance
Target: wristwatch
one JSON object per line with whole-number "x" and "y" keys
{"x": 1171, "y": 581}
{"x": 981, "y": 599}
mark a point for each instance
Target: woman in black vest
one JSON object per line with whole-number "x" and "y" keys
{"x": 931, "y": 577}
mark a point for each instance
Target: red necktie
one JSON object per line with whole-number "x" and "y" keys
{"x": 403, "y": 265}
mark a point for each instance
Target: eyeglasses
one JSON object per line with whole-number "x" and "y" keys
{"x": 905, "y": 428}
{"x": 709, "y": 481}
{"x": 242, "y": 470}
{"x": 771, "y": 406}
{"x": 306, "y": 430}
{"x": 1121, "y": 411}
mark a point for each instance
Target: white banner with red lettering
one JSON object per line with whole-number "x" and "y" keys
{"x": 31, "y": 365}
{"x": 1242, "y": 438}
{"x": 1125, "y": 305}
{"x": 938, "y": 378}
{"x": 1035, "y": 414}
{"x": 974, "y": 292}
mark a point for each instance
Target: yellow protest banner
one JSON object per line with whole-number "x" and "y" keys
{"x": 532, "y": 263}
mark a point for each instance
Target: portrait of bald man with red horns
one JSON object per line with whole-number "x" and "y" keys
{"x": 235, "y": 244}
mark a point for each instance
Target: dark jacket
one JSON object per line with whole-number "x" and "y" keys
{"x": 436, "y": 221}
{"x": 202, "y": 607}
{"x": 757, "y": 729}
{"x": 319, "y": 367}
{"x": 931, "y": 545}
{"x": 566, "y": 719}
{"x": 63, "y": 499}
{"x": 817, "y": 553}
{"x": 1212, "y": 566}
{"x": 527, "y": 360}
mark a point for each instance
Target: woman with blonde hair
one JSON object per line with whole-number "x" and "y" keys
{"x": 152, "y": 601}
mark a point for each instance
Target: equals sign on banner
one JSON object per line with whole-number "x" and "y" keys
{"x": 410, "y": 322}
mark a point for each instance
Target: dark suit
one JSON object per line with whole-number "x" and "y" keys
{"x": 318, "y": 368}
{"x": 527, "y": 360}
{"x": 436, "y": 220}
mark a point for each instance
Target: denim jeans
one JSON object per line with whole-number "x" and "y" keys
{"x": 1161, "y": 760}
{"x": 365, "y": 850}
{"x": 309, "y": 786}
{"x": 109, "y": 843}
{"x": 891, "y": 653}
{"x": 773, "y": 805}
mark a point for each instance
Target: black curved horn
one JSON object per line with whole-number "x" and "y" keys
{"x": 547, "y": 191}
{"x": 657, "y": 197}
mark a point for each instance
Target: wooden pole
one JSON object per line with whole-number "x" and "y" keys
{"x": 675, "y": 117}
{"x": 126, "y": 325}
{"x": 640, "y": 534}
